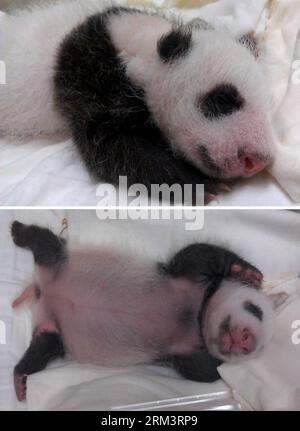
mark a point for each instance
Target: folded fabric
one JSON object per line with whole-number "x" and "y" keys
{"x": 80, "y": 387}
{"x": 282, "y": 44}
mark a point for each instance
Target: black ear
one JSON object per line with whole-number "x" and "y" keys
{"x": 250, "y": 42}
{"x": 199, "y": 24}
{"x": 175, "y": 44}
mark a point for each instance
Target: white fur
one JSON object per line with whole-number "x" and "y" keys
{"x": 229, "y": 300}
{"x": 33, "y": 36}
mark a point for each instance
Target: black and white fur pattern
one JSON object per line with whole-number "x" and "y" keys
{"x": 198, "y": 309}
{"x": 142, "y": 94}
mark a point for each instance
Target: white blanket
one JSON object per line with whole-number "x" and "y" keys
{"x": 269, "y": 239}
{"x": 282, "y": 41}
{"x": 47, "y": 173}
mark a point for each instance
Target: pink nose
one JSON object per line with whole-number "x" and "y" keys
{"x": 252, "y": 164}
{"x": 243, "y": 339}
{"x": 238, "y": 339}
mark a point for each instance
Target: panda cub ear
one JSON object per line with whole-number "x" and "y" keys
{"x": 250, "y": 42}
{"x": 175, "y": 44}
{"x": 199, "y": 24}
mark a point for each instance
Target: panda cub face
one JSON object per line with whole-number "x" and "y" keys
{"x": 238, "y": 322}
{"x": 217, "y": 102}
{"x": 204, "y": 89}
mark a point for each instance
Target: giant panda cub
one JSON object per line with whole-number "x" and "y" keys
{"x": 104, "y": 307}
{"x": 143, "y": 94}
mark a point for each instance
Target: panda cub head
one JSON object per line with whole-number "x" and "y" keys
{"x": 238, "y": 321}
{"x": 204, "y": 89}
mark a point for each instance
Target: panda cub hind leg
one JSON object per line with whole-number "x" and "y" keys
{"x": 46, "y": 344}
{"x": 31, "y": 290}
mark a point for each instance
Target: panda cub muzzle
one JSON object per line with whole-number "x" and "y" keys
{"x": 238, "y": 322}
{"x": 235, "y": 340}
{"x": 222, "y": 101}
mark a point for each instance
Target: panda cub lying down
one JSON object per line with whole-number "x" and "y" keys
{"x": 143, "y": 95}
{"x": 195, "y": 311}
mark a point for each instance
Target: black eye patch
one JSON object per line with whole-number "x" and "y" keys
{"x": 254, "y": 310}
{"x": 222, "y": 100}
{"x": 174, "y": 45}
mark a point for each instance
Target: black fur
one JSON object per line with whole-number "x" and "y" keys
{"x": 47, "y": 248}
{"x": 44, "y": 347}
{"x": 254, "y": 310}
{"x": 222, "y": 100}
{"x": 199, "y": 366}
{"x": 204, "y": 262}
{"x": 111, "y": 123}
{"x": 175, "y": 45}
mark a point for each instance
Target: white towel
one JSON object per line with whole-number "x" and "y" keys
{"x": 283, "y": 71}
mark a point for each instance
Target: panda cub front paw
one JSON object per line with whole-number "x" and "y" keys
{"x": 212, "y": 188}
{"x": 246, "y": 273}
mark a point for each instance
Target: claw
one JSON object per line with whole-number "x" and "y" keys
{"x": 236, "y": 268}
{"x": 209, "y": 197}
{"x": 30, "y": 291}
{"x": 250, "y": 275}
{"x": 224, "y": 188}
{"x": 20, "y": 386}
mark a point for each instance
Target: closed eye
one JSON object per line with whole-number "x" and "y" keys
{"x": 253, "y": 309}
{"x": 223, "y": 100}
